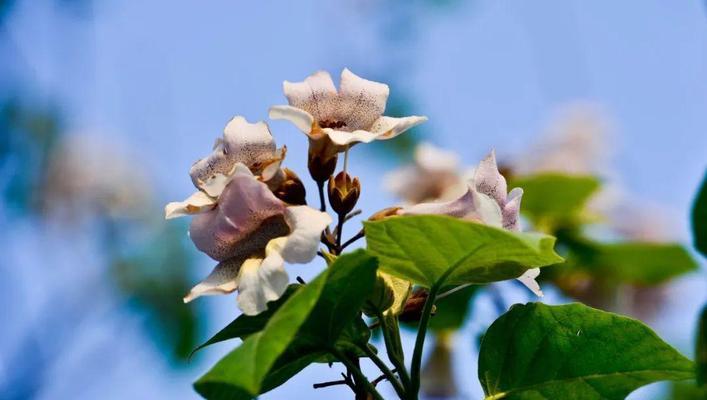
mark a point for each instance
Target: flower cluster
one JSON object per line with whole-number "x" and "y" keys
{"x": 251, "y": 214}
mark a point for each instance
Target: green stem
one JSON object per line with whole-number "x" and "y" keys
{"x": 394, "y": 347}
{"x": 420, "y": 341}
{"x": 322, "y": 200}
{"x": 385, "y": 370}
{"x": 356, "y": 371}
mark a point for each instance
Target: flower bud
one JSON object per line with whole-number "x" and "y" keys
{"x": 343, "y": 193}
{"x": 412, "y": 311}
{"x": 321, "y": 164}
{"x": 291, "y": 190}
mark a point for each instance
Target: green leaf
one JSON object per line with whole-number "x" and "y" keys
{"x": 308, "y": 325}
{"x": 554, "y": 196}
{"x": 699, "y": 218}
{"x": 429, "y": 249}
{"x": 701, "y": 350}
{"x": 536, "y": 351}
{"x": 245, "y": 325}
{"x": 641, "y": 263}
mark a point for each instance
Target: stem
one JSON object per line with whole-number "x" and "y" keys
{"x": 385, "y": 370}
{"x": 327, "y": 384}
{"x": 420, "y": 340}
{"x": 339, "y": 233}
{"x": 346, "y": 159}
{"x": 322, "y": 201}
{"x": 359, "y": 235}
{"x": 452, "y": 291}
{"x": 358, "y": 375}
{"x": 394, "y": 347}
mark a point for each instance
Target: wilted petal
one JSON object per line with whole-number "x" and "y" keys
{"x": 196, "y": 203}
{"x": 246, "y": 217}
{"x": 362, "y": 101}
{"x": 528, "y": 279}
{"x": 262, "y": 281}
{"x": 222, "y": 280}
{"x": 489, "y": 181}
{"x": 301, "y": 118}
{"x": 250, "y": 144}
{"x": 316, "y": 95}
{"x": 389, "y": 127}
{"x": 511, "y": 210}
{"x": 307, "y": 225}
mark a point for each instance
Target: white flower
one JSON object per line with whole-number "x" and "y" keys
{"x": 487, "y": 201}
{"x": 242, "y": 224}
{"x": 433, "y": 175}
{"x": 353, "y": 114}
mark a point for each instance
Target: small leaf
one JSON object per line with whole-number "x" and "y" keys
{"x": 304, "y": 328}
{"x": 699, "y": 218}
{"x": 424, "y": 248}
{"x": 554, "y": 196}
{"x": 535, "y": 351}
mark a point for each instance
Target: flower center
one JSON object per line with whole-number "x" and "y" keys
{"x": 332, "y": 124}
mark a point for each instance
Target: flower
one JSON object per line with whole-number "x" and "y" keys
{"x": 334, "y": 120}
{"x": 486, "y": 201}
{"x": 240, "y": 221}
{"x": 433, "y": 175}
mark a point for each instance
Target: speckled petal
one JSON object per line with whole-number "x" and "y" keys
{"x": 362, "y": 101}
{"x": 389, "y": 127}
{"x": 307, "y": 225}
{"x": 250, "y": 144}
{"x": 511, "y": 211}
{"x": 342, "y": 138}
{"x": 489, "y": 181}
{"x": 316, "y": 95}
{"x": 243, "y": 207}
{"x": 196, "y": 203}
{"x": 528, "y": 279}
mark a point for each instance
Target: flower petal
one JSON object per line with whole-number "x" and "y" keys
{"x": 489, "y": 181}
{"x": 301, "y": 118}
{"x": 248, "y": 215}
{"x": 222, "y": 280}
{"x": 262, "y": 281}
{"x": 196, "y": 203}
{"x": 528, "y": 279}
{"x": 511, "y": 210}
{"x": 458, "y": 208}
{"x": 362, "y": 101}
{"x": 316, "y": 95}
{"x": 307, "y": 225}
{"x": 431, "y": 158}
{"x": 389, "y": 127}
{"x": 343, "y": 138}
{"x": 250, "y": 144}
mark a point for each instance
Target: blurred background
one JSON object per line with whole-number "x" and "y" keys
{"x": 104, "y": 105}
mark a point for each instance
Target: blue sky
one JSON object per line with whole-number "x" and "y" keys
{"x": 163, "y": 77}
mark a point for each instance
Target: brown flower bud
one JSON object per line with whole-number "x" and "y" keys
{"x": 291, "y": 190}
{"x": 414, "y": 305}
{"x": 343, "y": 193}
{"x": 322, "y": 158}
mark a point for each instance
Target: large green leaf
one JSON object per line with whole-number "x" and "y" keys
{"x": 699, "y": 218}
{"x": 425, "y": 248}
{"x": 554, "y": 196}
{"x": 641, "y": 263}
{"x": 535, "y": 351}
{"x": 308, "y": 325}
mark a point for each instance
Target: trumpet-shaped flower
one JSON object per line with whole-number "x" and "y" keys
{"x": 334, "y": 119}
{"x": 241, "y": 223}
{"x": 433, "y": 175}
{"x": 487, "y": 201}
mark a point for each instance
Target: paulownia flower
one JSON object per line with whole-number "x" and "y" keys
{"x": 242, "y": 224}
{"x": 487, "y": 201}
{"x": 433, "y": 175}
{"x": 334, "y": 120}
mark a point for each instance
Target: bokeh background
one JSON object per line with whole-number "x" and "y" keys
{"x": 105, "y": 104}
